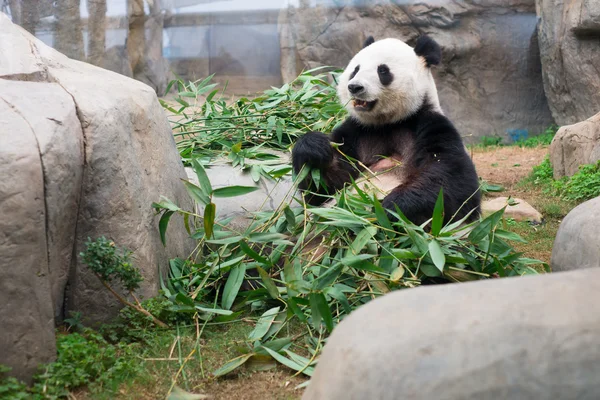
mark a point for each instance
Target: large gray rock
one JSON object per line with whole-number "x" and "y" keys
{"x": 26, "y": 311}
{"x": 515, "y": 338}
{"x": 570, "y": 54}
{"x": 84, "y": 154}
{"x": 490, "y": 78}
{"x": 575, "y": 145}
{"x": 577, "y": 243}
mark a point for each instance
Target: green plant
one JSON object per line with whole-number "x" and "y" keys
{"x": 490, "y": 141}
{"x": 583, "y": 185}
{"x": 487, "y": 187}
{"x": 542, "y": 173}
{"x": 132, "y": 326}
{"x": 74, "y": 321}
{"x": 244, "y": 128}
{"x": 86, "y": 359}
{"x": 315, "y": 265}
{"x": 111, "y": 264}
{"x": 11, "y": 388}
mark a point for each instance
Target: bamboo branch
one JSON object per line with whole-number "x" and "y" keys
{"x": 138, "y": 306}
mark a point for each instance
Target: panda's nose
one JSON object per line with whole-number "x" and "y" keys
{"x": 355, "y": 88}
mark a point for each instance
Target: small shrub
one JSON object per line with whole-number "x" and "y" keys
{"x": 542, "y": 173}
{"x": 111, "y": 265}
{"x": 86, "y": 359}
{"x": 584, "y": 185}
{"x": 491, "y": 141}
{"x": 132, "y": 326}
{"x": 82, "y": 360}
{"x": 11, "y": 388}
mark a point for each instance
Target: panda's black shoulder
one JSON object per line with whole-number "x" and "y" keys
{"x": 432, "y": 128}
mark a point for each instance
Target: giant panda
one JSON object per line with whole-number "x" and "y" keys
{"x": 395, "y": 123}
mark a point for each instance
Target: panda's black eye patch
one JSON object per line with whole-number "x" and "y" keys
{"x": 355, "y": 71}
{"x": 385, "y": 76}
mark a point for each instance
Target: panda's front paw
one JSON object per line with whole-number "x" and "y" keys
{"x": 313, "y": 149}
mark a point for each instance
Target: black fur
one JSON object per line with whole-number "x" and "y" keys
{"x": 370, "y": 40}
{"x": 430, "y": 148}
{"x": 314, "y": 150}
{"x": 355, "y": 71}
{"x": 385, "y": 76}
{"x": 427, "y": 48}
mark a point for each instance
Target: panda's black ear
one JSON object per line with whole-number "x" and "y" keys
{"x": 427, "y": 48}
{"x": 368, "y": 42}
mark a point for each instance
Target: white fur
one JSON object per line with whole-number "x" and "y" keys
{"x": 403, "y": 97}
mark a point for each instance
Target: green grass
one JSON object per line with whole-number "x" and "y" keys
{"x": 582, "y": 186}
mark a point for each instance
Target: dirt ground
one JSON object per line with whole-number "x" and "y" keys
{"x": 507, "y": 165}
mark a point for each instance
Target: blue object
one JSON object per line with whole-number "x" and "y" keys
{"x": 517, "y": 134}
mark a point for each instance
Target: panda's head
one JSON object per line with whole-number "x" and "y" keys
{"x": 388, "y": 81}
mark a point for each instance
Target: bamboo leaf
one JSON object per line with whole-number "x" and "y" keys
{"x": 263, "y": 324}
{"x": 253, "y": 254}
{"x": 320, "y": 311}
{"x": 485, "y": 227}
{"x": 509, "y": 236}
{"x": 232, "y": 286}
{"x": 362, "y": 238}
{"x": 209, "y": 219}
{"x": 232, "y": 364}
{"x": 268, "y": 282}
{"x": 403, "y": 254}
{"x": 437, "y": 255}
{"x": 203, "y": 180}
{"x": 284, "y": 360}
{"x": 218, "y": 311}
{"x": 438, "y": 214}
{"x": 291, "y": 302}
{"x": 196, "y": 193}
{"x": 162, "y": 225}
{"x": 330, "y": 276}
{"x": 233, "y": 191}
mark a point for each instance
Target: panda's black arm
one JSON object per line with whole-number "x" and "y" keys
{"x": 314, "y": 150}
{"x": 442, "y": 162}
{"x": 417, "y": 196}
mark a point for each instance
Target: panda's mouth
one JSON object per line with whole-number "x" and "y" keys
{"x": 363, "y": 105}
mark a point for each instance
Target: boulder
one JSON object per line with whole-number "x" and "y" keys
{"x": 577, "y": 245}
{"x": 84, "y": 153}
{"x": 490, "y": 78}
{"x": 575, "y": 145}
{"x": 514, "y": 338}
{"x": 568, "y": 39}
{"x": 520, "y": 211}
{"x": 267, "y": 198}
